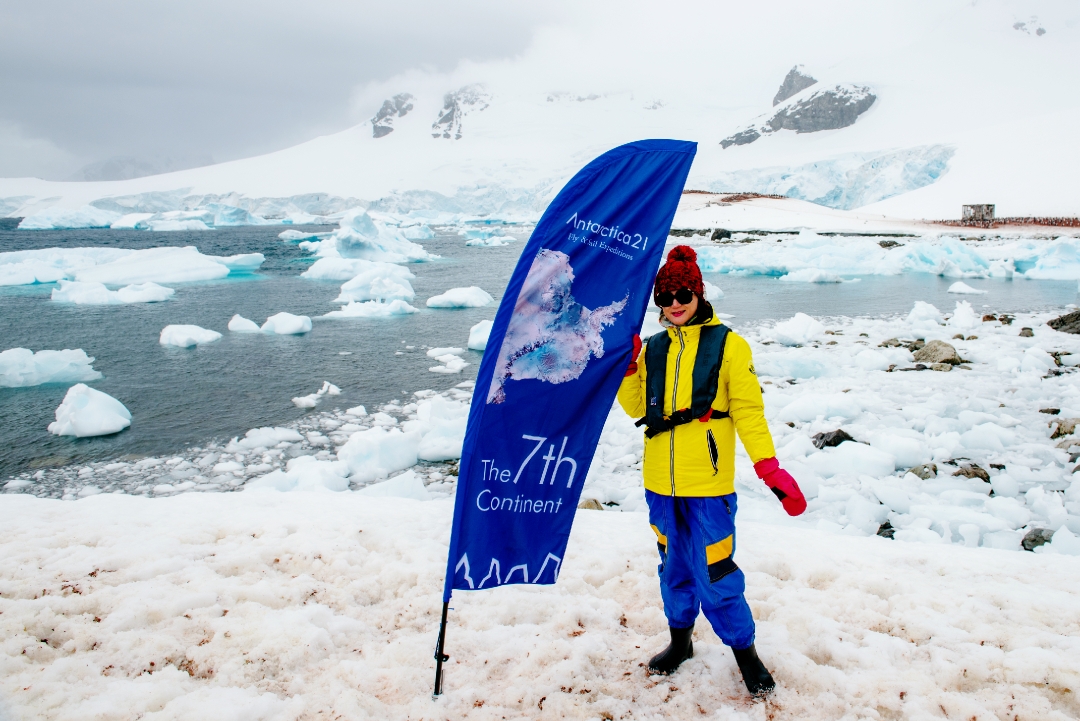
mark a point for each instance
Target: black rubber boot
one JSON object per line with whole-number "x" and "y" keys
{"x": 680, "y": 649}
{"x": 759, "y": 682}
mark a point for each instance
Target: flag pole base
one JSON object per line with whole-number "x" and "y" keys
{"x": 439, "y": 655}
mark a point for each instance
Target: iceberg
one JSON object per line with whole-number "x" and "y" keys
{"x": 965, "y": 289}
{"x": 478, "y": 335}
{"x": 93, "y": 293}
{"x": 186, "y": 336}
{"x": 287, "y": 324}
{"x": 121, "y": 266}
{"x": 21, "y": 367}
{"x": 358, "y": 236}
{"x": 295, "y": 236}
{"x": 87, "y": 412}
{"x": 65, "y": 218}
{"x": 312, "y": 400}
{"x": 366, "y": 280}
{"x": 372, "y": 309}
{"x": 174, "y": 225}
{"x": 470, "y": 297}
{"x": 240, "y": 324}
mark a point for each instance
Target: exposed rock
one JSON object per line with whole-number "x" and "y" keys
{"x": 915, "y": 345}
{"x": 591, "y": 504}
{"x": 1036, "y": 537}
{"x": 937, "y": 351}
{"x": 973, "y": 470}
{"x": 924, "y": 471}
{"x": 889, "y": 244}
{"x": 989, "y": 318}
{"x": 1064, "y": 427}
{"x": 830, "y": 109}
{"x": 721, "y": 234}
{"x": 886, "y": 530}
{"x": 890, "y": 343}
{"x": 1068, "y": 323}
{"x": 998, "y": 466}
{"x": 795, "y": 82}
{"x": 456, "y": 105}
{"x": 1026, "y": 333}
{"x": 1005, "y": 319}
{"x": 1050, "y": 411}
{"x": 396, "y": 107}
{"x": 831, "y": 438}
{"x": 943, "y": 367}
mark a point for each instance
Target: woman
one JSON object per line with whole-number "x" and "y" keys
{"x": 693, "y": 387}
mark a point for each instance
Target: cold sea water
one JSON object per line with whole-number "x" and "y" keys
{"x": 181, "y": 397}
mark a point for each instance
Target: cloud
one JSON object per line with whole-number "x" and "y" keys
{"x": 23, "y": 156}
{"x": 226, "y": 79}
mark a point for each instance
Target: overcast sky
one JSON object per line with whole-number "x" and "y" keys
{"x": 84, "y": 80}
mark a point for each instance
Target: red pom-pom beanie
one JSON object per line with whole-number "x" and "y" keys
{"x": 680, "y": 271}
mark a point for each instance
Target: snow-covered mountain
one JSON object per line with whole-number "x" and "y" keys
{"x": 909, "y": 109}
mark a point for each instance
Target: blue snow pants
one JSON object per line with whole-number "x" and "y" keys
{"x": 696, "y": 539}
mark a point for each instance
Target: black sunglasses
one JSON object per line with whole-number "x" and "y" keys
{"x": 666, "y": 298}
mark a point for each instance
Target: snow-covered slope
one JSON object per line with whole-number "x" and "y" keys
{"x": 918, "y": 107}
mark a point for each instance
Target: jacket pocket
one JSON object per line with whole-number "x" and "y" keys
{"x": 714, "y": 453}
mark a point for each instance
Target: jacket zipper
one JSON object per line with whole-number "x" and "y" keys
{"x": 674, "y": 391}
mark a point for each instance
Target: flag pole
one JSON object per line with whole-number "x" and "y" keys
{"x": 439, "y": 655}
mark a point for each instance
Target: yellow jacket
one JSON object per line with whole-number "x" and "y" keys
{"x": 680, "y": 462}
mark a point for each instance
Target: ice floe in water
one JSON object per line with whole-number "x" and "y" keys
{"x": 372, "y": 309}
{"x": 186, "y": 336}
{"x": 240, "y": 324}
{"x": 358, "y": 236}
{"x": 94, "y": 293}
{"x": 287, "y": 324}
{"x": 964, "y": 289}
{"x": 88, "y": 412}
{"x": 21, "y": 367}
{"x": 61, "y": 218}
{"x": 312, "y": 400}
{"x": 478, "y": 335}
{"x": 449, "y": 358}
{"x": 115, "y": 266}
{"x": 368, "y": 280}
{"x": 469, "y": 297}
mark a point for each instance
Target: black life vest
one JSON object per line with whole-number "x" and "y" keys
{"x": 710, "y": 354}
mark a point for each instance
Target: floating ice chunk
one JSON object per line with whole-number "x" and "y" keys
{"x": 478, "y": 335}
{"x": 964, "y": 317}
{"x": 310, "y": 401}
{"x": 304, "y": 474}
{"x": 358, "y": 411}
{"x": 436, "y": 352}
{"x": 493, "y": 241}
{"x": 21, "y": 367}
{"x": 266, "y": 437}
{"x": 407, "y": 485}
{"x": 240, "y": 264}
{"x": 470, "y": 297}
{"x": 64, "y": 218}
{"x": 87, "y": 412}
{"x": 374, "y": 281}
{"x": 798, "y": 330}
{"x": 811, "y": 275}
{"x": 853, "y": 459}
{"x": 186, "y": 336}
{"x": 165, "y": 265}
{"x": 378, "y": 452}
{"x": 713, "y": 292}
{"x": 294, "y": 236}
{"x": 358, "y": 236}
{"x": 418, "y": 232}
{"x": 372, "y": 309}
{"x": 132, "y": 221}
{"x": 287, "y": 324}
{"x": 450, "y": 364}
{"x": 93, "y": 293}
{"x": 963, "y": 288}
{"x": 1058, "y": 260}
{"x": 240, "y": 324}
{"x": 174, "y": 225}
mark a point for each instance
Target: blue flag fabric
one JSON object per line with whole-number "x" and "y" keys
{"x": 558, "y": 348}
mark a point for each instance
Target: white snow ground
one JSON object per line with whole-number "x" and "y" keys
{"x": 266, "y": 606}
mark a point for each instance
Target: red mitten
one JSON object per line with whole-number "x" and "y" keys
{"x": 782, "y": 484}
{"x": 632, "y": 368}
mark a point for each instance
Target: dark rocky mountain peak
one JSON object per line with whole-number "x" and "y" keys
{"x": 795, "y": 82}
{"x": 396, "y": 107}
